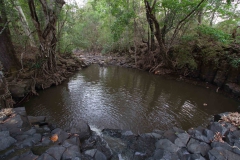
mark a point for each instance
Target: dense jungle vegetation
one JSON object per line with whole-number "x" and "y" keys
{"x": 153, "y": 34}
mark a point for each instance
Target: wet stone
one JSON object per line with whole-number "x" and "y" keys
{"x": 184, "y": 137}
{"x": 217, "y": 127}
{"x": 170, "y": 135}
{"x": 195, "y": 146}
{"x": 62, "y": 135}
{"x": 222, "y": 145}
{"x": 143, "y": 145}
{"x": 82, "y": 129}
{"x": 56, "y": 152}
{"x": 179, "y": 142}
{"x": 193, "y": 157}
{"x": 222, "y": 154}
{"x": 5, "y": 140}
{"x": 91, "y": 152}
{"x": 30, "y": 132}
{"x": 232, "y": 137}
{"x": 199, "y": 136}
{"x": 71, "y": 152}
{"x": 236, "y": 147}
{"x": 167, "y": 145}
{"x": 100, "y": 156}
{"x": 45, "y": 156}
{"x": 163, "y": 154}
{"x": 182, "y": 152}
{"x": 71, "y": 141}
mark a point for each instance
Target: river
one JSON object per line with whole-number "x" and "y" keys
{"x": 115, "y": 97}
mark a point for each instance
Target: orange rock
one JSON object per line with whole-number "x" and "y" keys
{"x": 54, "y": 138}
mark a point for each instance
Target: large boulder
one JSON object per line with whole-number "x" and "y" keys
{"x": 82, "y": 129}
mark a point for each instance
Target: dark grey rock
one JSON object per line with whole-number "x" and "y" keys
{"x": 195, "y": 146}
{"x": 217, "y": 127}
{"x": 30, "y": 132}
{"x": 45, "y": 156}
{"x": 56, "y": 152}
{"x": 71, "y": 153}
{"x": 192, "y": 157}
{"x": 29, "y": 142}
{"x": 163, "y": 154}
{"x": 222, "y": 145}
{"x": 46, "y": 141}
{"x": 145, "y": 144}
{"x": 167, "y": 145}
{"x": 91, "y": 152}
{"x": 100, "y": 156}
{"x": 21, "y": 137}
{"x": 182, "y": 152}
{"x": 179, "y": 143}
{"x": 82, "y": 129}
{"x": 232, "y": 137}
{"x": 184, "y": 137}
{"x": 170, "y": 135}
{"x": 209, "y": 134}
{"x": 158, "y": 154}
{"x": 62, "y": 135}
{"x": 222, "y": 154}
{"x": 199, "y": 136}
{"x": 5, "y": 140}
{"x": 71, "y": 141}
{"x": 236, "y": 147}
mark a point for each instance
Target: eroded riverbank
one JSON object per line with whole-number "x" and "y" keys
{"x": 26, "y": 137}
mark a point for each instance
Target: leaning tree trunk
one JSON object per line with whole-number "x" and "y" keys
{"x": 7, "y": 53}
{"x": 24, "y": 23}
{"x": 47, "y": 36}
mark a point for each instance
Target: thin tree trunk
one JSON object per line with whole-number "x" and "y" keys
{"x": 25, "y": 24}
{"x": 135, "y": 36}
{"x": 7, "y": 53}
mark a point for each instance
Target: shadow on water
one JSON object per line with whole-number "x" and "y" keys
{"x": 114, "y": 97}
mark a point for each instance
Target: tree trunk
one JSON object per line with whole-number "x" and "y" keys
{"x": 47, "y": 36}
{"x": 7, "y": 52}
{"x": 25, "y": 24}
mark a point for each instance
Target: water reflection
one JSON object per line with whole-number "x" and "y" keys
{"x": 115, "y": 97}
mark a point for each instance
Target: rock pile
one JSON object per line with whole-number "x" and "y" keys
{"x": 28, "y": 137}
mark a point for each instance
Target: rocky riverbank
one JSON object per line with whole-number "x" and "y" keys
{"x": 27, "y": 137}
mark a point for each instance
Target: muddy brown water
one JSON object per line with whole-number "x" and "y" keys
{"x": 115, "y": 97}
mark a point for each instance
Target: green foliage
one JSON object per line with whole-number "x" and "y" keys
{"x": 235, "y": 62}
{"x": 214, "y": 33}
{"x": 184, "y": 58}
